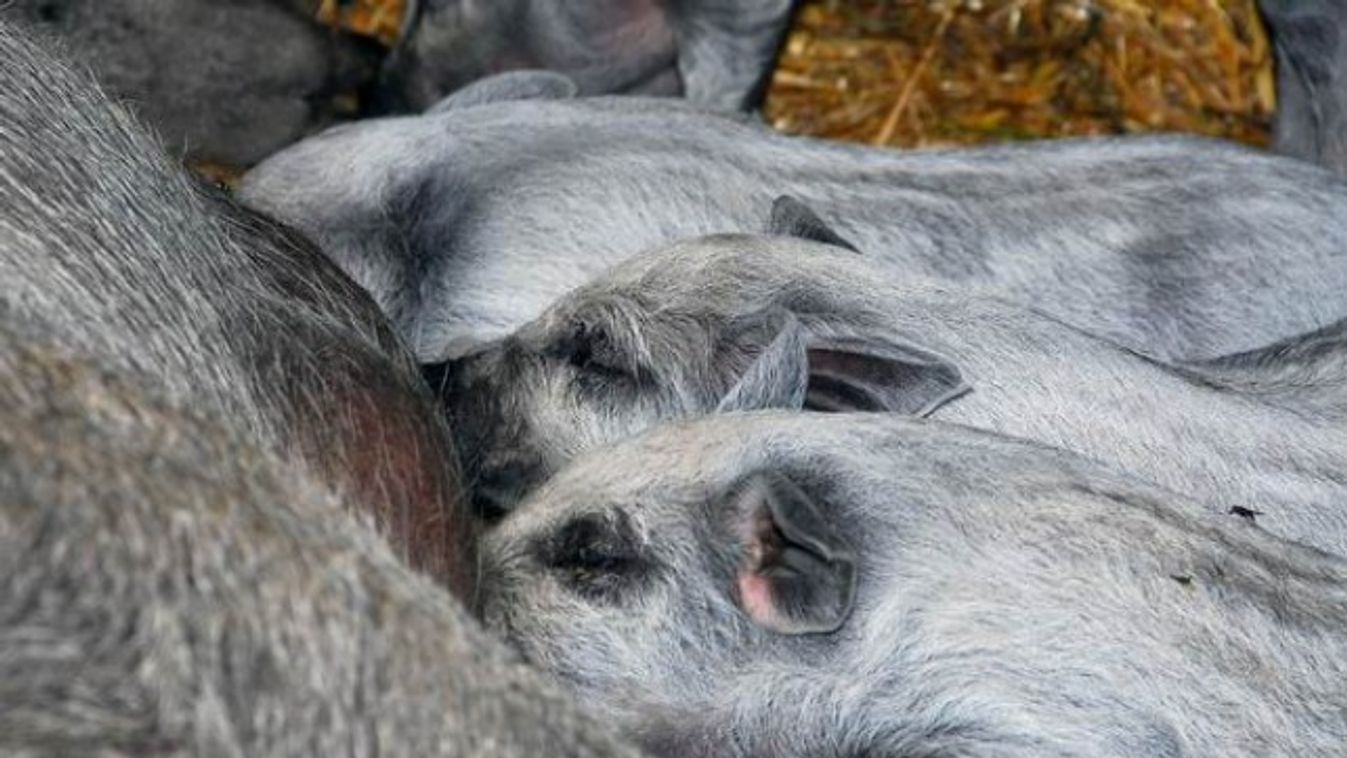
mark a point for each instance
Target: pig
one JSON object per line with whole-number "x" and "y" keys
{"x": 224, "y": 82}
{"x": 1310, "y": 38}
{"x": 738, "y": 322}
{"x": 865, "y": 584}
{"x": 169, "y": 588}
{"x": 717, "y": 53}
{"x": 468, "y": 222}
{"x": 113, "y": 251}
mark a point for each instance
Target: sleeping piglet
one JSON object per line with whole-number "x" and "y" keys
{"x": 742, "y": 322}
{"x": 848, "y": 585}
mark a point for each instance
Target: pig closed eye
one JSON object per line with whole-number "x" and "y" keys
{"x": 596, "y": 557}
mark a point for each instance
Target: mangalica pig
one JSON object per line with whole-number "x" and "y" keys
{"x": 863, "y": 584}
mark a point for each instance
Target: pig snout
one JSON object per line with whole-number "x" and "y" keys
{"x": 499, "y": 467}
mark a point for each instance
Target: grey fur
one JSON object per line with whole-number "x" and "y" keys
{"x": 1310, "y": 37}
{"x": 1012, "y": 600}
{"x": 229, "y": 81}
{"x": 468, "y": 223}
{"x": 768, "y": 383}
{"x": 718, "y": 53}
{"x": 168, "y": 588}
{"x": 109, "y": 249}
{"x": 666, "y": 335}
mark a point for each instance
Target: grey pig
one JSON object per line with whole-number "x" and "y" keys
{"x": 467, "y": 222}
{"x": 717, "y": 53}
{"x": 228, "y": 82}
{"x": 108, "y": 248}
{"x": 168, "y": 588}
{"x": 739, "y": 322}
{"x": 1307, "y": 373}
{"x": 848, "y": 585}
{"x": 1310, "y": 37}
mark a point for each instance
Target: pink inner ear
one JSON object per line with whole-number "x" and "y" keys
{"x": 755, "y": 594}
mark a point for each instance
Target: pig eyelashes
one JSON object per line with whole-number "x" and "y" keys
{"x": 597, "y": 557}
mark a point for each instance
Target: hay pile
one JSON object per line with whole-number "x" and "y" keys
{"x": 381, "y": 19}
{"x": 916, "y": 73}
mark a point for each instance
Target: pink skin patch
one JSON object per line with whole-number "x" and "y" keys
{"x": 755, "y": 594}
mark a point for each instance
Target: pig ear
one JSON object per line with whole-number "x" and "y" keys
{"x": 868, "y": 374}
{"x": 798, "y": 575}
{"x": 798, "y": 371}
{"x": 792, "y": 218}
{"x": 779, "y": 376}
{"x": 512, "y": 85}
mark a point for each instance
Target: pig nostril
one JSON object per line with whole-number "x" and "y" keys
{"x": 500, "y": 484}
